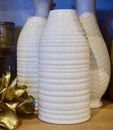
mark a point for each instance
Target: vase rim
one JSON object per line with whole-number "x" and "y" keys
{"x": 62, "y": 12}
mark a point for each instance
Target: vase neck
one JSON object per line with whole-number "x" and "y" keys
{"x": 64, "y": 19}
{"x": 64, "y": 14}
{"x": 84, "y": 6}
{"x": 42, "y": 7}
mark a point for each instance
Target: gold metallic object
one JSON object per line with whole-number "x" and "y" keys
{"x": 9, "y": 119}
{"x": 14, "y": 100}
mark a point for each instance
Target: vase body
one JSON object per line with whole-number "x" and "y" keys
{"x": 28, "y": 47}
{"x": 99, "y": 57}
{"x": 27, "y": 54}
{"x": 64, "y": 70}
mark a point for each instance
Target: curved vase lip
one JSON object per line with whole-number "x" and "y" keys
{"x": 64, "y": 14}
{"x": 63, "y": 10}
{"x": 38, "y": 17}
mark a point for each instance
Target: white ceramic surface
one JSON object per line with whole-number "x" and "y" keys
{"x": 55, "y": 121}
{"x": 64, "y": 106}
{"x": 63, "y": 76}
{"x": 58, "y": 27}
{"x": 64, "y": 92}
{"x": 64, "y": 56}
{"x": 63, "y": 117}
{"x": 64, "y": 43}
{"x": 63, "y": 49}
{"x": 68, "y": 99}
{"x": 24, "y": 42}
{"x": 22, "y": 46}
{"x": 77, "y": 81}
{"x": 65, "y": 112}
{"x": 27, "y": 52}
{"x": 87, "y": 19}
{"x": 64, "y": 67}
{"x": 64, "y": 62}
{"x": 100, "y": 63}
{"x": 25, "y": 69}
{"x": 30, "y": 54}
{"x": 63, "y": 70}
{"x": 28, "y": 60}
{"x": 64, "y": 87}
{"x": 99, "y": 59}
{"x": 60, "y": 58}
{"x": 28, "y": 63}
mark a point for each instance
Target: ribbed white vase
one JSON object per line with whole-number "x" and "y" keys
{"x": 64, "y": 70}
{"x": 28, "y": 48}
{"x": 99, "y": 59}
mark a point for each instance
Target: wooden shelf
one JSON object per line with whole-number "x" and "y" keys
{"x": 101, "y": 119}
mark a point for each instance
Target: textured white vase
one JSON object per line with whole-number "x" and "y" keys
{"x": 64, "y": 70}
{"x": 99, "y": 59}
{"x": 27, "y": 54}
{"x": 28, "y": 48}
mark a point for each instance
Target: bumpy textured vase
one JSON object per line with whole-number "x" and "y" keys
{"x": 28, "y": 48}
{"x": 99, "y": 59}
{"x": 64, "y": 70}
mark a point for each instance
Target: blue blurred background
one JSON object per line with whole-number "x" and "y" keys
{"x": 18, "y": 10}
{"x": 100, "y": 4}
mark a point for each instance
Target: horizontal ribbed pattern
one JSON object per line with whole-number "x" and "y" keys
{"x": 64, "y": 71}
{"x": 27, "y": 54}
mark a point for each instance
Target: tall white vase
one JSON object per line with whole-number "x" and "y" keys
{"x": 28, "y": 48}
{"x": 99, "y": 59}
{"x": 64, "y": 70}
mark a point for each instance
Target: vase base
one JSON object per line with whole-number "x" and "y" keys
{"x": 95, "y": 104}
{"x": 63, "y": 122}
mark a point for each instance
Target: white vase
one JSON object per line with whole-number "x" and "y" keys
{"x": 63, "y": 68}
{"x": 27, "y": 54}
{"x": 99, "y": 59}
{"x": 28, "y": 48}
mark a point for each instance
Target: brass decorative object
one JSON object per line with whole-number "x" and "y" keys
{"x": 14, "y": 101}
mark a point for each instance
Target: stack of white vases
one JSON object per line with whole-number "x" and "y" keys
{"x": 28, "y": 48}
{"x": 99, "y": 59}
{"x": 64, "y": 70}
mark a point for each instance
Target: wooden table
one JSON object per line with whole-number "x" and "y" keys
{"x": 101, "y": 119}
